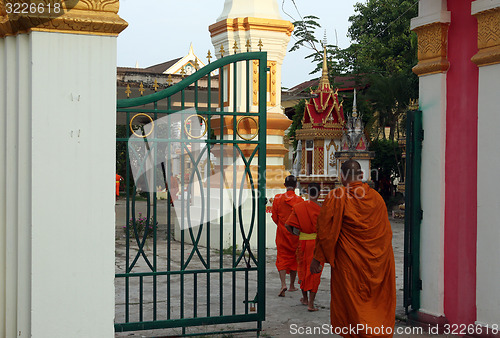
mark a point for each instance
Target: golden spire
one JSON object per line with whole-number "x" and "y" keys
{"x": 248, "y": 45}
{"x": 324, "y": 76}
{"x": 169, "y": 79}
{"x": 196, "y": 64}
{"x": 235, "y": 47}
{"x": 155, "y": 85}
{"x": 183, "y": 72}
{"x": 222, "y": 51}
{"x": 260, "y": 45}
{"x": 141, "y": 89}
{"x": 209, "y": 56}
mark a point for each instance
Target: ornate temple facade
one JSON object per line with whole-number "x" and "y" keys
{"x": 327, "y": 139}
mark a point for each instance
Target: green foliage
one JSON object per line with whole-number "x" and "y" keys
{"x": 297, "y": 121}
{"x": 387, "y": 159}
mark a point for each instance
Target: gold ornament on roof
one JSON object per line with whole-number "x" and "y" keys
{"x": 155, "y": 85}
{"x": 324, "y": 81}
{"x": 222, "y": 51}
{"x": 128, "y": 91}
{"x": 260, "y": 45}
{"x": 141, "y": 89}
{"x": 209, "y": 56}
{"x": 169, "y": 80}
{"x": 235, "y": 47}
{"x": 248, "y": 45}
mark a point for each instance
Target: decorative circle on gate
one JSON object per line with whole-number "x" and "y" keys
{"x": 188, "y": 121}
{"x": 150, "y": 119}
{"x": 254, "y": 135}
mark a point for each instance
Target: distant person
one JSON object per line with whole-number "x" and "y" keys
{"x": 355, "y": 237}
{"x": 286, "y": 243}
{"x": 302, "y": 223}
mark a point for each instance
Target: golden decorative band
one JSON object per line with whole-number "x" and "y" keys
{"x": 254, "y": 135}
{"x": 93, "y": 17}
{"x": 432, "y": 49}
{"x": 132, "y": 129}
{"x": 488, "y": 37}
{"x": 305, "y": 237}
{"x": 188, "y": 133}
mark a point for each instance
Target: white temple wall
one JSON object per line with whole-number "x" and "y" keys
{"x": 488, "y": 199}
{"x": 433, "y": 105}
{"x": 57, "y": 108}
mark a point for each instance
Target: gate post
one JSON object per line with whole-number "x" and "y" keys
{"x": 57, "y": 164}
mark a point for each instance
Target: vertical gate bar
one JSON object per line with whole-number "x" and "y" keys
{"x": 407, "y": 289}
{"x": 195, "y": 296}
{"x": 127, "y": 224}
{"x": 169, "y": 208}
{"x": 209, "y": 172}
{"x": 262, "y": 189}
{"x": 155, "y": 199}
{"x": 246, "y": 290}
{"x": 141, "y": 298}
{"x": 196, "y": 95}
{"x": 221, "y": 191}
{"x": 183, "y": 213}
{"x": 235, "y": 102}
{"x": 248, "y": 86}
{"x": 417, "y": 209}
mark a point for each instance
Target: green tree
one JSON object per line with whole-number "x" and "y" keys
{"x": 296, "y": 121}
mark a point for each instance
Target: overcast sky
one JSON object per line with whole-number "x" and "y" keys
{"x": 162, "y": 30}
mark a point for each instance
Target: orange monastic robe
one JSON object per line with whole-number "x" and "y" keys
{"x": 355, "y": 237}
{"x": 303, "y": 217}
{"x": 286, "y": 243}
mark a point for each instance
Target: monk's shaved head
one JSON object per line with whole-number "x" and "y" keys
{"x": 351, "y": 171}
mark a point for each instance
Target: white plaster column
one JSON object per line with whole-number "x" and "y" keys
{"x": 57, "y": 225}
{"x": 487, "y": 13}
{"x": 431, "y": 27}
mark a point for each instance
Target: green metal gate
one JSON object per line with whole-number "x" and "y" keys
{"x": 193, "y": 251}
{"x": 413, "y": 210}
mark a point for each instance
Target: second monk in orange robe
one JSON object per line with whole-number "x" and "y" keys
{"x": 302, "y": 222}
{"x": 355, "y": 237}
{"x": 286, "y": 243}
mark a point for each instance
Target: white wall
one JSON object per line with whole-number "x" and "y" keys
{"x": 57, "y": 113}
{"x": 488, "y": 199}
{"x": 433, "y": 105}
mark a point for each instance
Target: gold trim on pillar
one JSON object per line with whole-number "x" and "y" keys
{"x": 92, "y": 17}
{"x": 271, "y": 83}
{"x": 246, "y": 24}
{"x": 488, "y": 37}
{"x": 432, "y": 49}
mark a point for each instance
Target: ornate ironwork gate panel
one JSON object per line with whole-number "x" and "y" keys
{"x": 413, "y": 210}
{"x": 192, "y": 251}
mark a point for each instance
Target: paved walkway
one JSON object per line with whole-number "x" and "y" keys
{"x": 285, "y": 316}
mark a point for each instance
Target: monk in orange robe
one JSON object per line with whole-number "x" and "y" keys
{"x": 118, "y": 180}
{"x": 286, "y": 243}
{"x": 355, "y": 237}
{"x": 302, "y": 222}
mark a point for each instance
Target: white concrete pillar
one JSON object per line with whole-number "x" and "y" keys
{"x": 431, "y": 26}
{"x": 57, "y": 112}
{"x": 487, "y": 13}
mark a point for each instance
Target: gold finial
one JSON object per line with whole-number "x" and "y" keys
{"x": 169, "y": 80}
{"x": 128, "y": 91}
{"x": 235, "y": 47}
{"x": 260, "y": 45}
{"x": 248, "y": 45}
{"x": 222, "y": 51}
{"x": 183, "y": 72}
{"x": 155, "y": 85}
{"x": 196, "y": 64}
{"x": 209, "y": 56}
{"x": 354, "y": 106}
{"x": 141, "y": 89}
{"x": 324, "y": 76}
{"x": 413, "y": 105}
